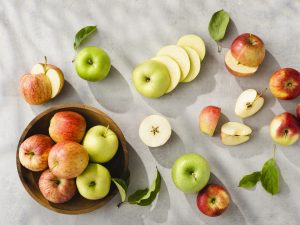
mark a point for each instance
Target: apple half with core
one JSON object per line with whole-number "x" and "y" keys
{"x": 151, "y": 79}
{"x": 34, "y": 151}
{"x": 190, "y": 172}
{"x": 248, "y": 103}
{"x": 101, "y": 143}
{"x": 285, "y": 129}
{"x": 56, "y": 190}
{"x": 195, "y": 64}
{"x": 92, "y": 64}
{"x": 94, "y": 182}
{"x": 208, "y": 119}
{"x": 234, "y": 133}
{"x": 213, "y": 200}
{"x": 195, "y": 42}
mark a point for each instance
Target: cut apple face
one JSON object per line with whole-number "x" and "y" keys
{"x": 195, "y": 64}
{"x": 155, "y": 131}
{"x": 234, "y": 133}
{"x": 173, "y": 68}
{"x": 237, "y": 69}
{"x": 179, "y": 55}
{"x": 53, "y": 73}
{"x": 248, "y": 103}
{"x": 195, "y": 42}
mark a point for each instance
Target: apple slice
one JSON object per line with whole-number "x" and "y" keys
{"x": 195, "y": 64}
{"x": 173, "y": 68}
{"x": 234, "y": 133}
{"x": 233, "y": 140}
{"x": 208, "y": 119}
{"x": 179, "y": 55}
{"x": 237, "y": 69}
{"x": 54, "y": 74}
{"x": 155, "y": 130}
{"x": 195, "y": 42}
{"x": 248, "y": 103}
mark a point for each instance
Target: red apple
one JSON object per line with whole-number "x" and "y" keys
{"x": 285, "y": 129}
{"x": 213, "y": 200}
{"x": 208, "y": 119}
{"x": 67, "y": 126}
{"x": 285, "y": 83}
{"x": 35, "y": 89}
{"x": 248, "y": 49}
{"x": 68, "y": 159}
{"x": 34, "y": 151}
{"x": 298, "y": 111}
{"x": 56, "y": 190}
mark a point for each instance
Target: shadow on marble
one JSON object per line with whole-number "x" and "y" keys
{"x": 224, "y": 119}
{"x": 68, "y": 95}
{"x": 166, "y": 155}
{"x": 176, "y": 102}
{"x": 230, "y": 35}
{"x": 113, "y": 93}
{"x": 290, "y": 105}
{"x": 290, "y": 153}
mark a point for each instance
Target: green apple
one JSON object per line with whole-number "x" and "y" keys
{"x": 94, "y": 182}
{"x": 92, "y": 63}
{"x": 190, "y": 172}
{"x": 101, "y": 143}
{"x": 151, "y": 79}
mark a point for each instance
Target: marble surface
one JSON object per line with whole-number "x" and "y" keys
{"x": 131, "y": 32}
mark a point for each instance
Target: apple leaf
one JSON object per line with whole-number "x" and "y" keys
{"x": 250, "y": 180}
{"x": 218, "y": 25}
{"x": 270, "y": 177}
{"x": 82, "y": 34}
{"x": 122, "y": 187}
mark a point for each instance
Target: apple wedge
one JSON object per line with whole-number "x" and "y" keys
{"x": 234, "y": 133}
{"x": 195, "y": 42}
{"x": 237, "y": 69}
{"x": 208, "y": 119}
{"x": 195, "y": 64}
{"x": 248, "y": 103}
{"x": 54, "y": 74}
{"x": 173, "y": 68}
{"x": 179, "y": 55}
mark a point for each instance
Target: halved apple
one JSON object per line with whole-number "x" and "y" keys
{"x": 195, "y": 42}
{"x": 173, "y": 68}
{"x": 54, "y": 74}
{"x": 179, "y": 55}
{"x": 234, "y": 133}
{"x": 195, "y": 64}
{"x": 248, "y": 103}
{"x": 237, "y": 69}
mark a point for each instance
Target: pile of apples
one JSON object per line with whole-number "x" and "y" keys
{"x": 70, "y": 158}
{"x": 171, "y": 65}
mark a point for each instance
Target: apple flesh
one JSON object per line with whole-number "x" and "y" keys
{"x": 35, "y": 89}
{"x": 195, "y": 64}
{"x": 234, "y": 133}
{"x": 67, "y": 126}
{"x": 285, "y": 83}
{"x": 208, "y": 119}
{"x": 236, "y": 68}
{"x": 195, "y": 42}
{"x": 56, "y": 190}
{"x": 34, "y": 151}
{"x": 248, "y": 49}
{"x": 285, "y": 129}
{"x": 213, "y": 200}
{"x": 67, "y": 159}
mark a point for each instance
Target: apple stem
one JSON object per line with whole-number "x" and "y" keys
{"x": 106, "y": 130}
{"x": 274, "y": 151}
{"x": 45, "y": 64}
{"x": 219, "y": 47}
{"x": 121, "y": 203}
{"x": 257, "y": 97}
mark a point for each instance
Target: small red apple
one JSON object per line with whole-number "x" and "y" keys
{"x": 213, "y": 200}
{"x": 56, "y": 190}
{"x": 209, "y": 118}
{"x": 248, "y": 49}
{"x": 298, "y": 111}
{"x": 34, "y": 151}
{"x": 68, "y": 159}
{"x": 67, "y": 126}
{"x": 285, "y": 83}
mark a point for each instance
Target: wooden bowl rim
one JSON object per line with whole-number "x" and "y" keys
{"x": 66, "y": 106}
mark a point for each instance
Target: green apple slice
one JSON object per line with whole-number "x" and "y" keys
{"x": 179, "y": 55}
{"x": 173, "y": 68}
{"x": 195, "y": 64}
{"x": 195, "y": 42}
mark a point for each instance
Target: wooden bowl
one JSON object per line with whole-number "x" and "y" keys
{"x": 118, "y": 166}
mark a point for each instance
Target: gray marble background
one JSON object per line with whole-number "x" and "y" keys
{"x": 131, "y": 32}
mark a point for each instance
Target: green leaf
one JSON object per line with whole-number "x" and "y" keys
{"x": 250, "y": 180}
{"x": 270, "y": 177}
{"x": 83, "y": 34}
{"x": 122, "y": 187}
{"x": 218, "y": 25}
{"x": 146, "y": 196}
